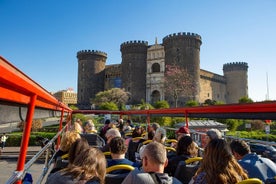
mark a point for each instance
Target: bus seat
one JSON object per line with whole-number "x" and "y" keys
{"x": 94, "y": 140}
{"x": 185, "y": 170}
{"x": 107, "y": 154}
{"x": 271, "y": 180}
{"x": 132, "y": 149}
{"x": 251, "y": 181}
{"x": 117, "y": 178}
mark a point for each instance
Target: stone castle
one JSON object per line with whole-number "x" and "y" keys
{"x": 142, "y": 71}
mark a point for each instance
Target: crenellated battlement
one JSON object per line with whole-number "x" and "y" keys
{"x": 93, "y": 52}
{"x": 131, "y": 42}
{"x": 137, "y": 46}
{"x": 182, "y": 34}
{"x": 235, "y": 66}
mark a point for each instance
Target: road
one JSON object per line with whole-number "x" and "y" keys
{"x": 8, "y": 163}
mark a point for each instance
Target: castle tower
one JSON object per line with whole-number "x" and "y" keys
{"x": 91, "y": 65}
{"x": 183, "y": 49}
{"x": 236, "y": 81}
{"x": 134, "y": 68}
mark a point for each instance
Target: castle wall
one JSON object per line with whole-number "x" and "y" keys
{"x": 91, "y": 65}
{"x": 183, "y": 49}
{"x": 236, "y": 81}
{"x": 212, "y": 86}
{"x": 134, "y": 68}
{"x": 155, "y": 73}
{"x": 113, "y": 77}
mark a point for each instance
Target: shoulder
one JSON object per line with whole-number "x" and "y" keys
{"x": 57, "y": 177}
{"x": 138, "y": 177}
{"x": 200, "y": 178}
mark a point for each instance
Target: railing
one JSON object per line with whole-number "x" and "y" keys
{"x": 19, "y": 90}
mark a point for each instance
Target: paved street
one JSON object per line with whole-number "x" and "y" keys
{"x": 8, "y": 163}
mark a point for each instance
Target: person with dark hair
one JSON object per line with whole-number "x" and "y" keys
{"x": 219, "y": 165}
{"x": 154, "y": 160}
{"x": 118, "y": 149}
{"x": 88, "y": 167}
{"x": 255, "y": 165}
{"x": 103, "y": 130}
{"x": 137, "y": 132}
{"x": 186, "y": 148}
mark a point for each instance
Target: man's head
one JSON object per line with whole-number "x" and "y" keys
{"x": 111, "y": 133}
{"x": 117, "y": 146}
{"x": 154, "y": 157}
{"x": 239, "y": 148}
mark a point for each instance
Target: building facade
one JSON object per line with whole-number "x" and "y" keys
{"x": 68, "y": 97}
{"x": 143, "y": 68}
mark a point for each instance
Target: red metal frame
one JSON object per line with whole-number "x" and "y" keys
{"x": 18, "y": 88}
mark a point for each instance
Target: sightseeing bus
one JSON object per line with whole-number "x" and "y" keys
{"x": 23, "y": 99}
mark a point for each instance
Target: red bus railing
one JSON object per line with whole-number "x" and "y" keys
{"x": 17, "y": 88}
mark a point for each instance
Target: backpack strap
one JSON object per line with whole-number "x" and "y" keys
{"x": 155, "y": 178}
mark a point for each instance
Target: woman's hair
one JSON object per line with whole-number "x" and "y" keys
{"x": 76, "y": 148}
{"x": 186, "y": 146}
{"x": 220, "y": 165}
{"x": 67, "y": 139}
{"x": 89, "y": 164}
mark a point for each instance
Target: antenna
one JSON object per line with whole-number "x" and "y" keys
{"x": 267, "y": 87}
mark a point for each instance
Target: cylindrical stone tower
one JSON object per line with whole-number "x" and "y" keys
{"x": 91, "y": 65}
{"x": 134, "y": 68}
{"x": 236, "y": 81}
{"x": 183, "y": 49}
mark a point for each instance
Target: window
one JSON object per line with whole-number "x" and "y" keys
{"x": 155, "y": 68}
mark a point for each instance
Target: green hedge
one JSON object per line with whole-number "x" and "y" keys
{"x": 14, "y": 139}
{"x": 259, "y": 135}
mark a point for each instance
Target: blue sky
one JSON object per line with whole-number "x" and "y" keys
{"x": 42, "y": 38}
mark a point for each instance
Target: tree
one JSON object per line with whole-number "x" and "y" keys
{"x": 177, "y": 82}
{"x": 109, "y": 106}
{"x": 162, "y": 104}
{"x": 192, "y": 103}
{"x": 116, "y": 95}
{"x": 245, "y": 99}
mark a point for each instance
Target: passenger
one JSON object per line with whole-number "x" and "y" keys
{"x": 77, "y": 126}
{"x": 89, "y": 127}
{"x": 186, "y": 149}
{"x": 155, "y": 126}
{"x": 128, "y": 126}
{"x": 74, "y": 151}
{"x": 118, "y": 149}
{"x": 67, "y": 139}
{"x": 219, "y": 165}
{"x": 137, "y": 132}
{"x": 110, "y": 134}
{"x": 212, "y": 134}
{"x": 88, "y": 167}
{"x": 120, "y": 126}
{"x": 105, "y": 128}
{"x": 255, "y": 165}
{"x": 154, "y": 160}
{"x": 160, "y": 135}
{"x": 182, "y": 131}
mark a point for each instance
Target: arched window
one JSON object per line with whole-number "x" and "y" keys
{"x": 155, "y": 68}
{"x": 155, "y": 96}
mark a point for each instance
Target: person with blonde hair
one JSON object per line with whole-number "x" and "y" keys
{"x": 218, "y": 165}
{"x": 89, "y": 167}
{"x": 67, "y": 139}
